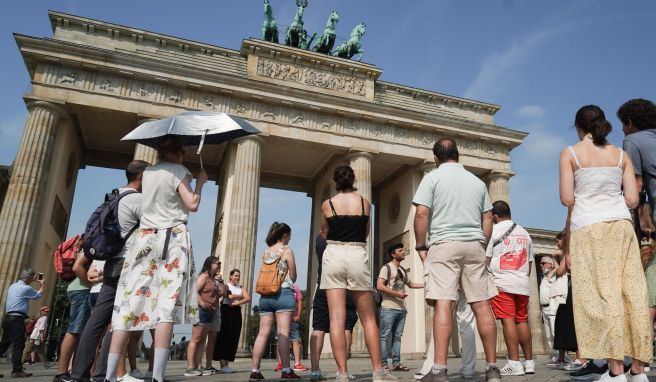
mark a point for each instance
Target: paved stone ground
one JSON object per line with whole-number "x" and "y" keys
{"x": 359, "y": 366}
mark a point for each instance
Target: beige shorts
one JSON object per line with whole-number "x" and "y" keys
{"x": 456, "y": 263}
{"x": 345, "y": 266}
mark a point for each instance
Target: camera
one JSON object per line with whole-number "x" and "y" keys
{"x": 39, "y": 276}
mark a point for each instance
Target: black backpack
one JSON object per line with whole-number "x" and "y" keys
{"x": 378, "y": 296}
{"x": 102, "y": 237}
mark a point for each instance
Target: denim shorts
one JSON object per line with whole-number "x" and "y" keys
{"x": 294, "y": 331}
{"x": 79, "y": 310}
{"x": 278, "y": 303}
{"x": 205, "y": 316}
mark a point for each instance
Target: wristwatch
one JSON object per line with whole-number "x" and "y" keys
{"x": 421, "y": 248}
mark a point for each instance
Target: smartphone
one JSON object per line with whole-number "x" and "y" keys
{"x": 39, "y": 276}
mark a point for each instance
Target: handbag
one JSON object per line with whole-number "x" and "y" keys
{"x": 269, "y": 281}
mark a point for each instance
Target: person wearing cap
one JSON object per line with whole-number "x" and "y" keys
{"x": 13, "y": 325}
{"x": 36, "y": 343}
{"x": 129, "y": 214}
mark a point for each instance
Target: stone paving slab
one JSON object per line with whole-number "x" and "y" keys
{"x": 358, "y": 366}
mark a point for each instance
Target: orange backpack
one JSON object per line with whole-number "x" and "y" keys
{"x": 269, "y": 281}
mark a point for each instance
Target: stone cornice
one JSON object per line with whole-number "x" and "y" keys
{"x": 117, "y": 31}
{"x": 440, "y": 98}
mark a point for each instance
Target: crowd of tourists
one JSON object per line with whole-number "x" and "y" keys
{"x": 597, "y": 294}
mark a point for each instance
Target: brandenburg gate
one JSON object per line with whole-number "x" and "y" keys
{"x": 93, "y": 81}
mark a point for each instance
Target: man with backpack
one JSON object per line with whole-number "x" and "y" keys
{"x": 13, "y": 325}
{"x": 392, "y": 280}
{"x": 36, "y": 342}
{"x": 127, "y": 213}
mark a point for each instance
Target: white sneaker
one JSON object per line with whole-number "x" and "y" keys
{"x": 574, "y": 365}
{"x": 636, "y": 378}
{"x": 512, "y": 368}
{"x": 129, "y": 378}
{"x": 192, "y": 373}
{"x": 607, "y": 378}
{"x": 529, "y": 366}
{"x": 226, "y": 370}
{"x": 138, "y": 373}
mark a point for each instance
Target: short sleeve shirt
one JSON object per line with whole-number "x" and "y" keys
{"x": 19, "y": 296}
{"x": 457, "y": 198}
{"x": 511, "y": 259}
{"x": 397, "y": 281}
{"x": 129, "y": 210}
{"x": 162, "y": 206}
{"x": 641, "y": 148}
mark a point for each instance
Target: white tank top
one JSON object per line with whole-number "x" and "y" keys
{"x": 234, "y": 289}
{"x": 597, "y": 194}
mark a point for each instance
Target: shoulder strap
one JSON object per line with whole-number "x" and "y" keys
{"x": 332, "y": 207}
{"x": 504, "y": 236}
{"x": 362, "y": 203}
{"x": 389, "y": 274}
{"x": 571, "y": 150}
{"x": 619, "y": 164}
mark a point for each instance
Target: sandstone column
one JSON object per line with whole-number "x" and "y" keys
{"x": 242, "y": 194}
{"x": 143, "y": 152}
{"x": 22, "y": 206}
{"x": 360, "y": 161}
{"x": 498, "y": 185}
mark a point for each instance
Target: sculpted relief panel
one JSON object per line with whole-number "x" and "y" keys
{"x": 286, "y": 114}
{"x": 302, "y": 75}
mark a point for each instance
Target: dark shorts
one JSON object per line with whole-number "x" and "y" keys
{"x": 320, "y": 318}
{"x": 79, "y": 311}
{"x": 278, "y": 303}
{"x": 205, "y": 316}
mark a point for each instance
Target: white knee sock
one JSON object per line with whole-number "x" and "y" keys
{"x": 112, "y": 364}
{"x": 160, "y": 358}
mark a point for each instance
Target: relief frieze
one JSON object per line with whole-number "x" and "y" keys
{"x": 310, "y": 77}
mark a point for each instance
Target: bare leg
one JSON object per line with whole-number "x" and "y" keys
{"x": 617, "y": 366}
{"x": 194, "y": 345}
{"x": 209, "y": 349}
{"x": 442, "y": 327}
{"x": 316, "y": 345}
{"x": 266, "y": 323}
{"x": 487, "y": 328}
{"x": 364, "y": 301}
{"x": 637, "y": 367}
{"x": 133, "y": 343}
{"x": 283, "y": 322}
{"x": 337, "y": 313}
{"x": 524, "y": 334}
{"x": 296, "y": 348}
{"x": 199, "y": 348}
{"x": 511, "y": 337}
{"x": 349, "y": 341}
{"x": 66, "y": 351}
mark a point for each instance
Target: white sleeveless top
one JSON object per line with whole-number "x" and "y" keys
{"x": 597, "y": 194}
{"x": 234, "y": 289}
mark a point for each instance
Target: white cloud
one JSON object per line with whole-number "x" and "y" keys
{"x": 530, "y": 111}
{"x": 489, "y": 81}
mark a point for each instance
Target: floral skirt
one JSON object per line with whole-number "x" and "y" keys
{"x": 157, "y": 283}
{"x": 609, "y": 292}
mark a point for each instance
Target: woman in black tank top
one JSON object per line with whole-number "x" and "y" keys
{"x": 345, "y": 265}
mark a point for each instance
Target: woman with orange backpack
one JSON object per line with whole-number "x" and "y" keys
{"x": 275, "y": 284}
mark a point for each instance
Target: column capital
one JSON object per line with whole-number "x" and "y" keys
{"x": 355, "y": 154}
{"x": 54, "y": 108}
{"x": 253, "y": 137}
{"x": 426, "y": 166}
{"x": 499, "y": 174}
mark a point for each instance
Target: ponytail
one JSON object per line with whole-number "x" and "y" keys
{"x": 591, "y": 120}
{"x": 276, "y": 232}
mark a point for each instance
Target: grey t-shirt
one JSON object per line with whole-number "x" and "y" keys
{"x": 641, "y": 148}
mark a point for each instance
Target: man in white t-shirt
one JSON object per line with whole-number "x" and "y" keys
{"x": 509, "y": 256}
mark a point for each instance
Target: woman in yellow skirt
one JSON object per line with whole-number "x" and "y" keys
{"x": 597, "y": 184}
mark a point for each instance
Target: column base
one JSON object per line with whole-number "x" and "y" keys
{"x": 243, "y": 353}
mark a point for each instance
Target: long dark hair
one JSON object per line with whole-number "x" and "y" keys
{"x": 207, "y": 265}
{"x": 276, "y": 232}
{"x": 592, "y": 120}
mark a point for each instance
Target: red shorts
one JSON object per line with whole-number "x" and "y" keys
{"x": 509, "y": 305}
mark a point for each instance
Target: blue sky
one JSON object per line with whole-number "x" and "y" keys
{"x": 539, "y": 60}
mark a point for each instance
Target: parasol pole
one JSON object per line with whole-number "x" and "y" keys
{"x": 200, "y": 148}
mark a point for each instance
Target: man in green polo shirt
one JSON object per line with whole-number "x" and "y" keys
{"x": 453, "y": 209}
